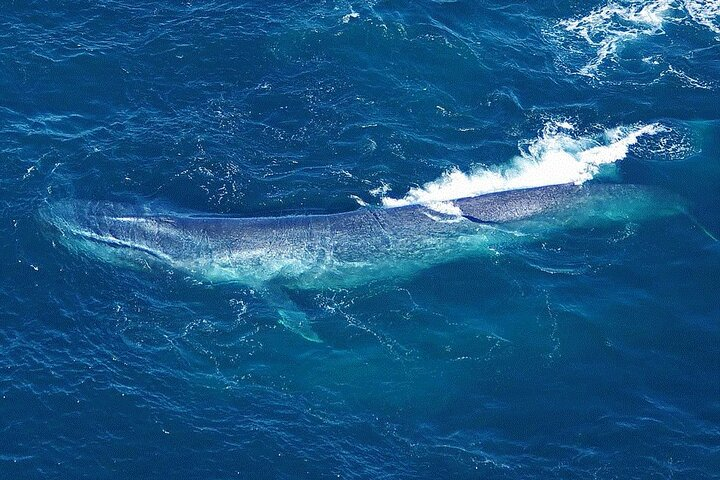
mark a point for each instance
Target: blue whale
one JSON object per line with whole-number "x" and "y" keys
{"x": 272, "y": 254}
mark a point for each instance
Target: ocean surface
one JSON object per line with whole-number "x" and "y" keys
{"x": 589, "y": 352}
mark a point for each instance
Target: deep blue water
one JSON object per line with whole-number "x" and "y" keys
{"x": 592, "y": 352}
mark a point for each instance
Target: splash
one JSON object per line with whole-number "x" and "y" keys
{"x": 555, "y": 158}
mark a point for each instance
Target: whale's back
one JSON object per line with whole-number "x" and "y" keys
{"x": 376, "y": 239}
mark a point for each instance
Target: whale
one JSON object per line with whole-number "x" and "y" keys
{"x": 347, "y": 249}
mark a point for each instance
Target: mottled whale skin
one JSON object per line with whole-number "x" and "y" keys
{"x": 311, "y": 250}
{"x": 342, "y": 249}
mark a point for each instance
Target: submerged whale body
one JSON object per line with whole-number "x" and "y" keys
{"x": 343, "y": 249}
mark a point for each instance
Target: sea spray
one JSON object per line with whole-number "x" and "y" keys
{"x": 555, "y": 158}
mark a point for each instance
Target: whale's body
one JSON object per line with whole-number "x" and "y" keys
{"x": 343, "y": 249}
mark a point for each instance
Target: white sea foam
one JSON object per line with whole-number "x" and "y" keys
{"x": 555, "y": 158}
{"x": 606, "y": 28}
{"x": 705, "y": 12}
{"x": 447, "y": 208}
{"x": 686, "y": 79}
{"x": 350, "y": 16}
{"x": 597, "y": 37}
{"x": 381, "y": 190}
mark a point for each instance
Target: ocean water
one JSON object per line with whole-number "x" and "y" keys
{"x": 590, "y": 352}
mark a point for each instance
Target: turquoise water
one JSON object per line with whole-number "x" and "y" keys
{"x": 587, "y": 350}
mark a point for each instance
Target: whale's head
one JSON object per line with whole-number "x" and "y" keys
{"x": 110, "y": 230}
